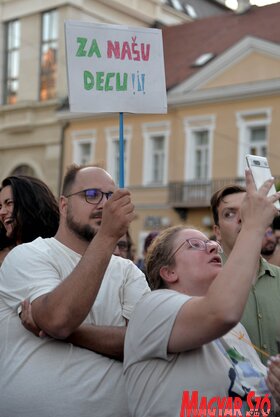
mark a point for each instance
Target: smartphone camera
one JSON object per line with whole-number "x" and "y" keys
{"x": 256, "y": 162}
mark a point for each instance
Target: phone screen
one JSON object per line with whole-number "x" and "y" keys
{"x": 261, "y": 172}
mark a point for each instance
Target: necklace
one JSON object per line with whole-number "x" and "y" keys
{"x": 241, "y": 336}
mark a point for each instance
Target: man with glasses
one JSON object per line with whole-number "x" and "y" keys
{"x": 124, "y": 247}
{"x": 262, "y": 312}
{"x": 80, "y": 294}
{"x": 269, "y": 244}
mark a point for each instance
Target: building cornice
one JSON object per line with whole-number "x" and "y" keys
{"x": 226, "y": 93}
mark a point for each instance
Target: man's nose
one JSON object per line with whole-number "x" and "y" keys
{"x": 102, "y": 202}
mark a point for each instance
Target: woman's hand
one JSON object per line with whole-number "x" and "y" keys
{"x": 273, "y": 377}
{"x": 258, "y": 210}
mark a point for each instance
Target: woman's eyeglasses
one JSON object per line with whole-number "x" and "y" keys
{"x": 122, "y": 245}
{"x": 198, "y": 244}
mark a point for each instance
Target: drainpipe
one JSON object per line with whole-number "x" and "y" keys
{"x": 62, "y": 144}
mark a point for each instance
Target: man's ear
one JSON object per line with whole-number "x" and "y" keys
{"x": 63, "y": 202}
{"x": 168, "y": 274}
{"x": 217, "y": 232}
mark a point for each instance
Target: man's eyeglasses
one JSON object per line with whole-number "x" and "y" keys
{"x": 269, "y": 233}
{"x": 92, "y": 195}
{"x": 122, "y": 245}
{"x": 198, "y": 244}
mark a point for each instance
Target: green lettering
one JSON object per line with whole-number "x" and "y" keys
{"x": 88, "y": 80}
{"x": 107, "y": 81}
{"x": 81, "y": 50}
{"x": 123, "y": 86}
{"x": 94, "y": 49}
{"x": 99, "y": 80}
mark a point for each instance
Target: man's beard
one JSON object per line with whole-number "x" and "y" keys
{"x": 268, "y": 251}
{"x": 83, "y": 232}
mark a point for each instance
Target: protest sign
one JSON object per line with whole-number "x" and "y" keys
{"x": 115, "y": 68}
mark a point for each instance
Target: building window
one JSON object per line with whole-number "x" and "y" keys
{"x": 158, "y": 157}
{"x": 155, "y": 153}
{"x": 199, "y": 143}
{"x": 201, "y": 154}
{"x": 113, "y": 153}
{"x": 48, "y": 73}
{"x": 258, "y": 140}
{"x": 253, "y": 128}
{"x": 84, "y": 147}
{"x": 12, "y": 62}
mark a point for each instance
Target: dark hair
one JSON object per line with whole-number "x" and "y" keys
{"x": 276, "y": 223}
{"x": 71, "y": 175}
{"x": 36, "y": 211}
{"x": 158, "y": 256}
{"x": 5, "y": 242}
{"x": 149, "y": 238}
{"x": 129, "y": 244}
{"x": 218, "y": 196}
{"x": 69, "y": 178}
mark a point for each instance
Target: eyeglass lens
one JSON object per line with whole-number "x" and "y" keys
{"x": 94, "y": 196}
{"x": 202, "y": 245}
{"x": 122, "y": 245}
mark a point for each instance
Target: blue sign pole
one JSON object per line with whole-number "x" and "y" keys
{"x": 121, "y": 153}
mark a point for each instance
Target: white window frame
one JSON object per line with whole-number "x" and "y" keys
{"x": 112, "y": 134}
{"x": 245, "y": 121}
{"x": 12, "y": 60}
{"x": 191, "y": 126}
{"x": 149, "y": 132}
{"x": 79, "y": 138}
{"x": 48, "y": 81}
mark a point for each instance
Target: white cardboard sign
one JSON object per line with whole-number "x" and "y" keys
{"x": 115, "y": 68}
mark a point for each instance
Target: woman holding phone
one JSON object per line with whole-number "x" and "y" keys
{"x": 185, "y": 336}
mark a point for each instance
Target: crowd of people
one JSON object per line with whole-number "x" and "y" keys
{"x": 87, "y": 332}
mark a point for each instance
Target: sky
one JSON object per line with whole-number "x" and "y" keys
{"x": 233, "y": 3}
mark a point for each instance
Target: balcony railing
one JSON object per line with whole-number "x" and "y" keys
{"x": 197, "y": 193}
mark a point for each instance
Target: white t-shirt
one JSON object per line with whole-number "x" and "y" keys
{"x": 155, "y": 380}
{"x": 51, "y": 378}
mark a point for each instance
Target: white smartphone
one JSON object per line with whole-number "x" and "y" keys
{"x": 261, "y": 172}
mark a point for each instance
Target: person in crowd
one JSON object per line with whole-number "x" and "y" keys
{"x": 269, "y": 244}
{"x": 28, "y": 209}
{"x": 81, "y": 297}
{"x": 124, "y": 247}
{"x": 262, "y": 311}
{"x": 184, "y": 340}
{"x": 147, "y": 242}
{"x": 276, "y": 228}
{"x": 274, "y": 240}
